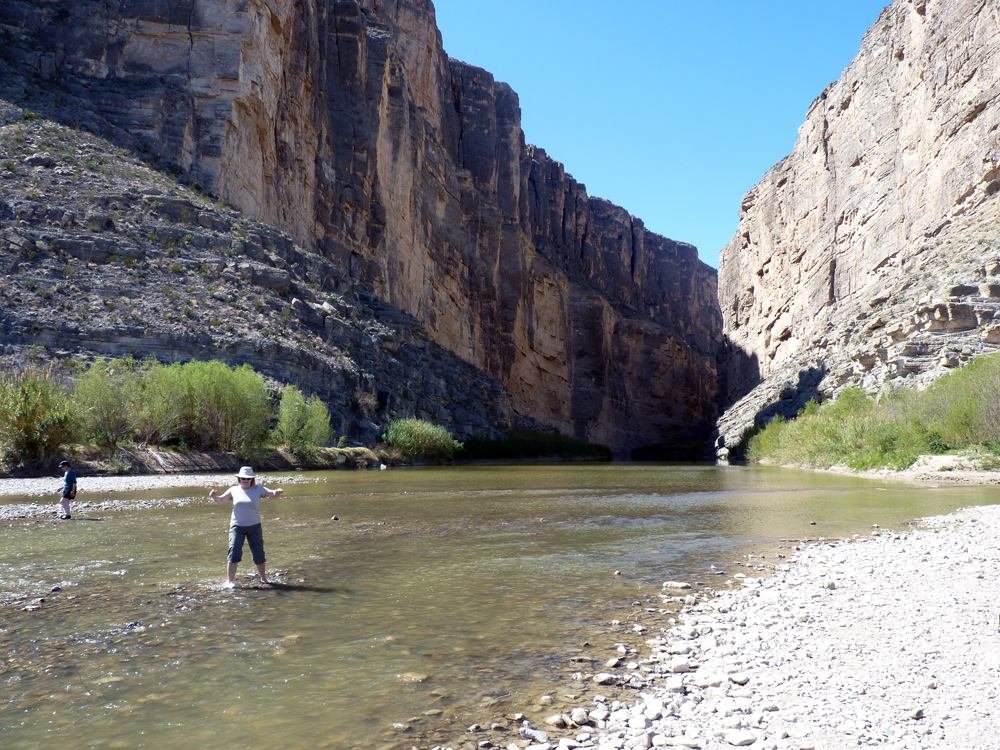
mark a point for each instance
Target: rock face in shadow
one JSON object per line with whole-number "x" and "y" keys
{"x": 102, "y": 256}
{"x": 346, "y": 125}
{"x": 869, "y": 255}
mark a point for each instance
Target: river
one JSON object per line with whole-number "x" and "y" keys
{"x": 438, "y": 597}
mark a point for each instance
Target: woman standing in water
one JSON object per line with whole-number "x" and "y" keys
{"x": 245, "y": 522}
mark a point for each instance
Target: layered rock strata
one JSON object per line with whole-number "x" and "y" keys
{"x": 346, "y": 125}
{"x": 868, "y": 256}
{"x": 101, "y": 256}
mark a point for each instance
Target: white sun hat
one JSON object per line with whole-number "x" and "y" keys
{"x": 245, "y": 472}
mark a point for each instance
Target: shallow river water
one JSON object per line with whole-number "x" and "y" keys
{"x": 440, "y": 597}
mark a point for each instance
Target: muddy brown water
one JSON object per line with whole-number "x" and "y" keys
{"x": 442, "y": 597}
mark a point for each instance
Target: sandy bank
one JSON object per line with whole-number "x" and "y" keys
{"x": 949, "y": 469}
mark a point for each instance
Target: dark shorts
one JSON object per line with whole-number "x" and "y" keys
{"x": 255, "y": 538}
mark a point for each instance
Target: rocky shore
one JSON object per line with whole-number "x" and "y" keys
{"x": 885, "y": 641}
{"x": 91, "y": 490}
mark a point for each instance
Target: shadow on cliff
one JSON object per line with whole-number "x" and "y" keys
{"x": 738, "y": 374}
{"x": 791, "y": 399}
{"x": 687, "y": 445}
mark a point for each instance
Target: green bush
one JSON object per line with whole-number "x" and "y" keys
{"x": 855, "y": 430}
{"x": 35, "y": 418}
{"x": 226, "y": 408}
{"x": 765, "y": 442}
{"x": 205, "y": 406}
{"x": 964, "y": 406}
{"x": 419, "y": 440}
{"x": 958, "y": 411}
{"x": 105, "y": 398}
{"x": 158, "y": 415}
{"x": 303, "y": 423}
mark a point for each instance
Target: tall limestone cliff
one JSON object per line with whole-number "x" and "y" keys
{"x": 345, "y": 124}
{"x": 870, "y": 255}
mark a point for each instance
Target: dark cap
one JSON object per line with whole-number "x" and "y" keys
{"x": 64, "y": 463}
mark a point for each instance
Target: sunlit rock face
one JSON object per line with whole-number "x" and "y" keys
{"x": 853, "y": 252}
{"x": 346, "y": 125}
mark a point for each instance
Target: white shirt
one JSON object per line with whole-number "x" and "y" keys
{"x": 246, "y": 505}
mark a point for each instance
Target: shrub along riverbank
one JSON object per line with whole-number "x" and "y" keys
{"x": 959, "y": 412}
{"x": 128, "y": 416}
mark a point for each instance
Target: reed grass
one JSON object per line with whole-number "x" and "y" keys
{"x": 958, "y": 412}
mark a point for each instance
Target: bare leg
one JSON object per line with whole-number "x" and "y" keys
{"x": 65, "y": 506}
{"x": 262, "y": 573}
{"x": 231, "y": 572}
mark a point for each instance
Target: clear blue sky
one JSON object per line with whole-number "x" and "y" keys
{"x": 672, "y": 109}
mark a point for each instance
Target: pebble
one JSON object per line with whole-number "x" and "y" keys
{"x": 858, "y": 643}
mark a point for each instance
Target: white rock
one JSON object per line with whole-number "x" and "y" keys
{"x": 690, "y": 742}
{"x": 674, "y": 684}
{"x": 638, "y": 722}
{"x": 642, "y": 742}
{"x": 679, "y": 664}
{"x": 705, "y": 680}
{"x": 741, "y": 738}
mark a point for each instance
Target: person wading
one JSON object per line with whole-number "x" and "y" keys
{"x": 68, "y": 489}
{"x": 245, "y": 522}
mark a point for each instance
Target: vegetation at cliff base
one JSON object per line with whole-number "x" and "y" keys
{"x": 303, "y": 423}
{"x": 115, "y": 407}
{"x": 199, "y": 405}
{"x": 205, "y": 406}
{"x": 521, "y": 444}
{"x": 957, "y": 412}
{"x": 35, "y": 418}
{"x": 419, "y": 440}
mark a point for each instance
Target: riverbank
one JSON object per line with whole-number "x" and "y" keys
{"x": 889, "y": 641}
{"x": 927, "y": 469}
{"x": 951, "y": 469}
{"x": 94, "y": 462}
{"x": 91, "y": 490}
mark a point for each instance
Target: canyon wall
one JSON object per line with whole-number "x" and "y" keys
{"x": 868, "y": 256}
{"x": 346, "y": 125}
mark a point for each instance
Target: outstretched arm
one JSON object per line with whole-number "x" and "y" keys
{"x": 273, "y": 493}
{"x": 225, "y": 496}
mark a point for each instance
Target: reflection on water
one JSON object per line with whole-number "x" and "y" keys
{"x": 440, "y": 597}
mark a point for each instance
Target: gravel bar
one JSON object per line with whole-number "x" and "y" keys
{"x": 889, "y": 641}
{"x": 91, "y": 491}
